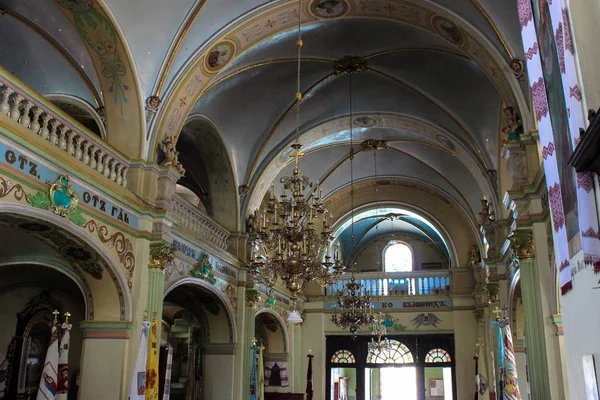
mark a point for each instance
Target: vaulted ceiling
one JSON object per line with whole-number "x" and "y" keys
{"x": 437, "y": 76}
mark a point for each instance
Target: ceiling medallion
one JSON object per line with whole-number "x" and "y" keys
{"x": 349, "y": 65}
{"x": 364, "y": 122}
{"x": 373, "y": 144}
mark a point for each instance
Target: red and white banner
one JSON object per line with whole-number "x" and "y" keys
{"x": 47, "y": 388}
{"x": 62, "y": 388}
{"x": 546, "y": 133}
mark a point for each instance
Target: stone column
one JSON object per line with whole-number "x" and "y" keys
{"x": 246, "y": 341}
{"x": 524, "y": 246}
{"x": 297, "y": 357}
{"x": 104, "y": 350}
{"x": 160, "y": 255}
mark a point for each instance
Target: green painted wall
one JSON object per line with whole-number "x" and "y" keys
{"x": 432, "y": 373}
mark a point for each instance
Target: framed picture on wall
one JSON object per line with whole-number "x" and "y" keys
{"x": 589, "y": 376}
{"x": 436, "y": 388}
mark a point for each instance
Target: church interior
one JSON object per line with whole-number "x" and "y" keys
{"x": 299, "y": 199}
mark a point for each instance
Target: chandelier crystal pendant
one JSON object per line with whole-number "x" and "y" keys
{"x": 294, "y": 233}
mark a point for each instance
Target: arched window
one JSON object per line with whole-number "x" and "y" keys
{"x": 395, "y": 353}
{"x": 397, "y": 257}
{"x": 438, "y": 356}
{"x": 343, "y": 357}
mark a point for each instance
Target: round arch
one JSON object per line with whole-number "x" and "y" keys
{"x": 282, "y": 324}
{"x": 453, "y": 255}
{"x": 213, "y": 290}
{"x": 113, "y": 289}
{"x": 58, "y": 265}
{"x": 202, "y": 140}
{"x": 195, "y": 77}
{"x": 73, "y": 105}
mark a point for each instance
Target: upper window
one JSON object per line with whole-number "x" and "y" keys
{"x": 395, "y": 353}
{"x": 398, "y": 257}
{"x": 343, "y": 357}
{"x": 437, "y": 356}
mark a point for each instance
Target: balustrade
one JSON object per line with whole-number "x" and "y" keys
{"x": 192, "y": 219}
{"x": 47, "y": 123}
{"x": 398, "y": 284}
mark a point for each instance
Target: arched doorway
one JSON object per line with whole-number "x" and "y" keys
{"x": 46, "y": 264}
{"x": 271, "y": 334}
{"x": 199, "y": 329}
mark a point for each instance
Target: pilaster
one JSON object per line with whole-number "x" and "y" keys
{"x": 247, "y": 339}
{"x": 160, "y": 255}
{"x": 524, "y": 246}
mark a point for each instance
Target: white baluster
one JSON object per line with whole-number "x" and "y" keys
{"x": 53, "y": 131}
{"x": 119, "y": 174}
{"x": 15, "y": 112}
{"x": 70, "y": 144}
{"x": 62, "y": 136}
{"x": 93, "y": 162}
{"x": 45, "y": 133}
{"x": 35, "y": 122}
{"x": 107, "y": 161}
{"x": 86, "y": 154}
{"x": 25, "y": 120}
{"x": 113, "y": 170}
{"x": 4, "y": 106}
{"x": 100, "y": 165}
{"x": 78, "y": 150}
{"x": 124, "y": 173}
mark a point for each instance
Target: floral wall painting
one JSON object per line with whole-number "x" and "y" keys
{"x": 589, "y": 376}
{"x": 219, "y": 55}
{"x": 329, "y": 8}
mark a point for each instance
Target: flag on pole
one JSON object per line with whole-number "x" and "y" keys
{"x": 152, "y": 389}
{"x": 253, "y": 377}
{"x": 62, "y": 388}
{"x": 137, "y": 390}
{"x": 47, "y": 388}
{"x": 260, "y": 379}
{"x": 309, "y": 377}
{"x": 511, "y": 380}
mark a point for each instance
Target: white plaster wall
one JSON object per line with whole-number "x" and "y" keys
{"x": 219, "y": 380}
{"x": 581, "y": 324}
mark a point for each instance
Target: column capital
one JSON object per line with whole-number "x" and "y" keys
{"x": 523, "y": 244}
{"x": 252, "y": 298}
{"x": 479, "y": 315}
{"x": 160, "y": 255}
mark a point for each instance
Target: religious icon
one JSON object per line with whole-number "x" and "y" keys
{"x": 329, "y": 8}
{"x": 141, "y": 382}
{"x": 448, "y": 30}
{"x": 219, "y": 56}
{"x": 63, "y": 378}
{"x": 49, "y": 383}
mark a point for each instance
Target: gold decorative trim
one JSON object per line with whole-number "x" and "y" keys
{"x": 173, "y": 52}
{"x": 523, "y": 244}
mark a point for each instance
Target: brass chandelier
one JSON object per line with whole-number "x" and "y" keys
{"x": 356, "y": 309}
{"x": 293, "y": 236}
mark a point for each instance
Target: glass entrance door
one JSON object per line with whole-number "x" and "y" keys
{"x": 391, "y": 383}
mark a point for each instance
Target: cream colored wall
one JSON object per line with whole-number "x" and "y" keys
{"x": 423, "y": 252}
{"x": 103, "y": 358}
{"x": 219, "y": 378}
{"x": 581, "y": 324}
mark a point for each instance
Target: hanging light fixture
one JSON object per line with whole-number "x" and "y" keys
{"x": 379, "y": 329}
{"x": 356, "y": 310}
{"x": 294, "y": 233}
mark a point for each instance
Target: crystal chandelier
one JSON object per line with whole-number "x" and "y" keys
{"x": 293, "y": 238}
{"x": 378, "y": 329}
{"x": 355, "y": 310}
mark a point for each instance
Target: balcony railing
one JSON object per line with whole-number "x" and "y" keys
{"x": 416, "y": 283}
{"x": 192, "y": 219}
{"x": 50, "y": 124}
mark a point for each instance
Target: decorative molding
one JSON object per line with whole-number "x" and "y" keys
{"x": 349, "y": 65}
{"x": 204, "y": 270}
{"x": 252, "y": 298}
{"x": 523, "y": 244}
{"x": 479, "y": 315}
{"x": 160, "y": 255}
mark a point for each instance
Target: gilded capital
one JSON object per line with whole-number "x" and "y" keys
{"x": 252, "y": 298}
{"x": 479, "y": 315}
{"x": 160, "y": 255}
{"x": 522, "y": 243}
